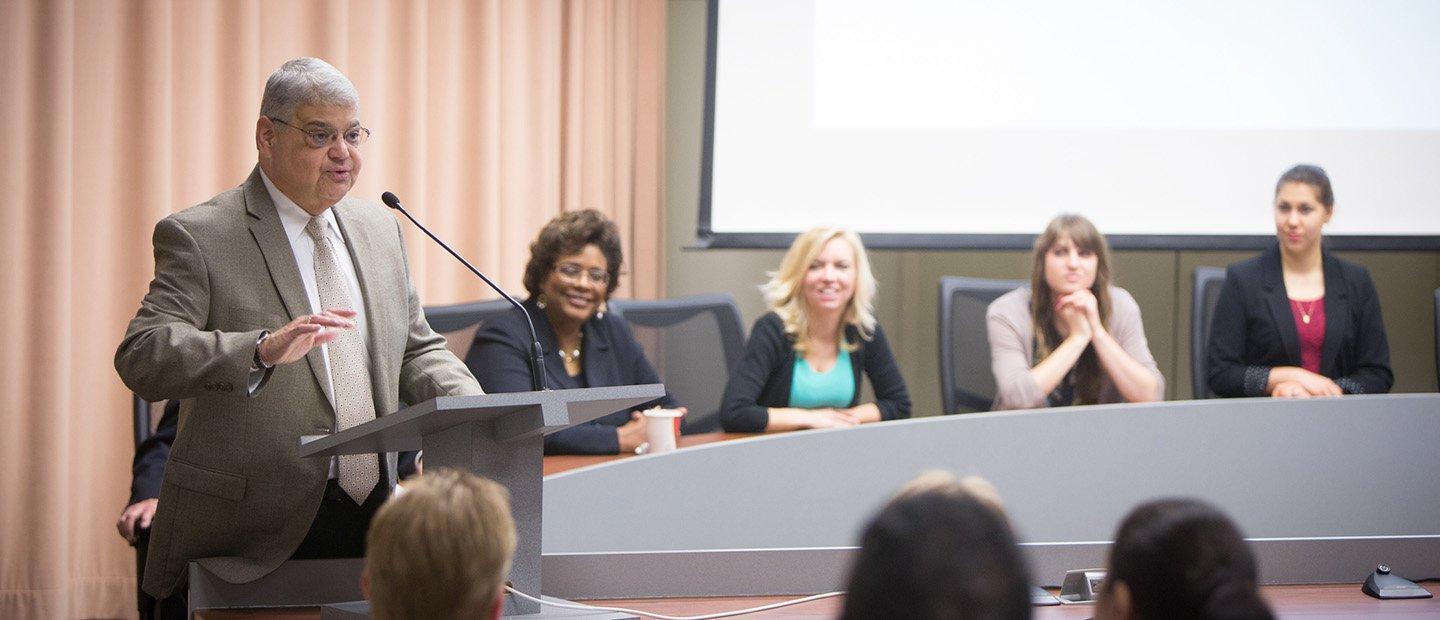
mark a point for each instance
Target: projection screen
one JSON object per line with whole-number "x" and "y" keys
{"x": 930, "y": 123}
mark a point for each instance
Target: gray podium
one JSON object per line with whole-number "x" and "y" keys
{"x": 499, "y": 436}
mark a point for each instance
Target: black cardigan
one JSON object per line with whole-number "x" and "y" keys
{"x": 1254, "y": 329}
{"x": 499, "y": 360}
{"x": 762, "y": 378}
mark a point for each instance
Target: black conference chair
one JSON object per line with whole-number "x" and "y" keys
{"x": 143, "y": 414}
{"x": 693, "y": 342}
{"x": 458, "y": 322}
{"x": 1208, "y": 281}
{"x": 966, "y": 380}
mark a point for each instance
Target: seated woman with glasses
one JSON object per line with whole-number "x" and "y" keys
{"x": 804, "y": 358}
{"x": 574, "y": 267}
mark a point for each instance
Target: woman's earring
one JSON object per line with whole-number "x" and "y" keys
{"x": 601, "y": 313}
{"x": 540, "y": 301}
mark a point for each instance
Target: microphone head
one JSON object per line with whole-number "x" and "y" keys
{"x": 390, "y": 200}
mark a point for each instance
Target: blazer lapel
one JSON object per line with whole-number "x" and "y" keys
{"x": 600, "y": 364}
{"x": 1337, "y": 315}
{"x": 269, "y": 234}
{"x": 1279, "y": 305}
{"x": 554, "y": 367}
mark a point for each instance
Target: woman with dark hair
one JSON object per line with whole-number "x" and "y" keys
{"x": 574, "y": 267}
{"x": 938, "y": 552}
{"x": 1296, "y": 321}
{"x": 1180, "y": 558}
{"x": 1070, "y": 338}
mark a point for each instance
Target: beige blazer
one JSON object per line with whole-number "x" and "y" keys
{"x": 236, "y": 493}
{"x": 1012, "y": 353}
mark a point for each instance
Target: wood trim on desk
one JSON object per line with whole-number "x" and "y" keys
{"x": 566, "y": 462}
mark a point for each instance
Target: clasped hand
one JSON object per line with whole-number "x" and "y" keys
{"x": 293, "y": 340}
{"x": 1080, "y": 312}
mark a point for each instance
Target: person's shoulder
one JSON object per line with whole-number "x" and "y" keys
{"x": 1013, "y": 303}
{"x": 1123, "y": 304}
{"x": 1353, "y": 272}
{"x": 769, "y": 321}
{"x": 364, "y": 211}
{"x": 222, "y": 207}
{"x": 509, "y": 326}
{"x": 612, "y": 325}
{"x": 1249, "y": 267}
{"x": 1122, "y": 297}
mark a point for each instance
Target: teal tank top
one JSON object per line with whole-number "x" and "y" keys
{"x": 815, "y": 390}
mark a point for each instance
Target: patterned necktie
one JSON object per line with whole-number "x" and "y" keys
{"x": 349, "y": 370}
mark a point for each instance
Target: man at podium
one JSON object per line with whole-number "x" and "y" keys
{"x": 278, "y": 309}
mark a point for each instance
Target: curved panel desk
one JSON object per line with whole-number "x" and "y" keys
{"x": 1324, "y": 488}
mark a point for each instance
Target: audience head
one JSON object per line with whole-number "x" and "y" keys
{"x": 1180, "y": 558}
{"x": 440, "y": 549}
{"x": 1071, "y": 255}
{"x": 574, "y": 265}
{"x": 825, "y": 270}
{"x": 941, "y": 481}
{"x": 1304, "y": 203}
{"x": 309, "y": 133}
{"x": 938, "y": 551}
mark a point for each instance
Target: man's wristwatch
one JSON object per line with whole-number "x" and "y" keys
{"x": 257, "y": 364}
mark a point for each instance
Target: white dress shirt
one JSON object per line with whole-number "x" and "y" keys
{"x": 295, "y": 219}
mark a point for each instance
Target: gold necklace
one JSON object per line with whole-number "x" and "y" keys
{"x": 1304, "y": 313}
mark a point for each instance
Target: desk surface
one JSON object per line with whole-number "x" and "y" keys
{"x": 567, "y": 462}
{"x": 1322, "y": 601}
{"x": 1325, "y": 601}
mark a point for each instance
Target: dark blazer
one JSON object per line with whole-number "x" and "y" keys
{"x": 148, "y": 468}
{"x": 1253, "y": 329}
{"x": 612, "y": 357}
{"x": 762, "y": 378}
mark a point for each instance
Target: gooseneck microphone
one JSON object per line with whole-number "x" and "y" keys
{"x": 537, "y": 354}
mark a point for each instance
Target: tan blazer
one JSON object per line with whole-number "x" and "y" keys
{"x": 1012, "y": 354}
{"x": 235, "y": 490}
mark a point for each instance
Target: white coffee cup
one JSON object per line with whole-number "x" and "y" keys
{"x": 661, "y": 426}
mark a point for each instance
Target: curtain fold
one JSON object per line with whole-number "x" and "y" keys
{"x": 490, "y": 117}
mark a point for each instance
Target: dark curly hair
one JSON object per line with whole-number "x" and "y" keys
{"x": 567, "y": 234}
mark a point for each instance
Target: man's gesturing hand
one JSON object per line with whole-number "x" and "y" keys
{"x": 296, "y": 338}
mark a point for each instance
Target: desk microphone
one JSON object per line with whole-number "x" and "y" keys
{"x": 537, "y": 354}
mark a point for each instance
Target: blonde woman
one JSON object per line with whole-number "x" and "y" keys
{"x": 803, "y": 361}
{"x": 1070, "y": 338}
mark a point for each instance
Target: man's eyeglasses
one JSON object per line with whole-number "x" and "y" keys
{"x": 573, "y": 272}
{"x": 323, "y": 138}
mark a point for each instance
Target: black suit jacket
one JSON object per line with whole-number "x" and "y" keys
{"x": 1253, "y": 329}
{"x": 148, "y": 468}
{"x": 499, "y": 360}
{"x": 762, "y": 378}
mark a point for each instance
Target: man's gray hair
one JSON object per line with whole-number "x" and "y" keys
{"x": 306, "y": 81}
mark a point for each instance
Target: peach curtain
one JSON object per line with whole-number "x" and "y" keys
{"x": 489, "y": 116}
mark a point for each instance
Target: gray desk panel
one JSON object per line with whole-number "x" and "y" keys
{"x": 1360, "y": 466}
